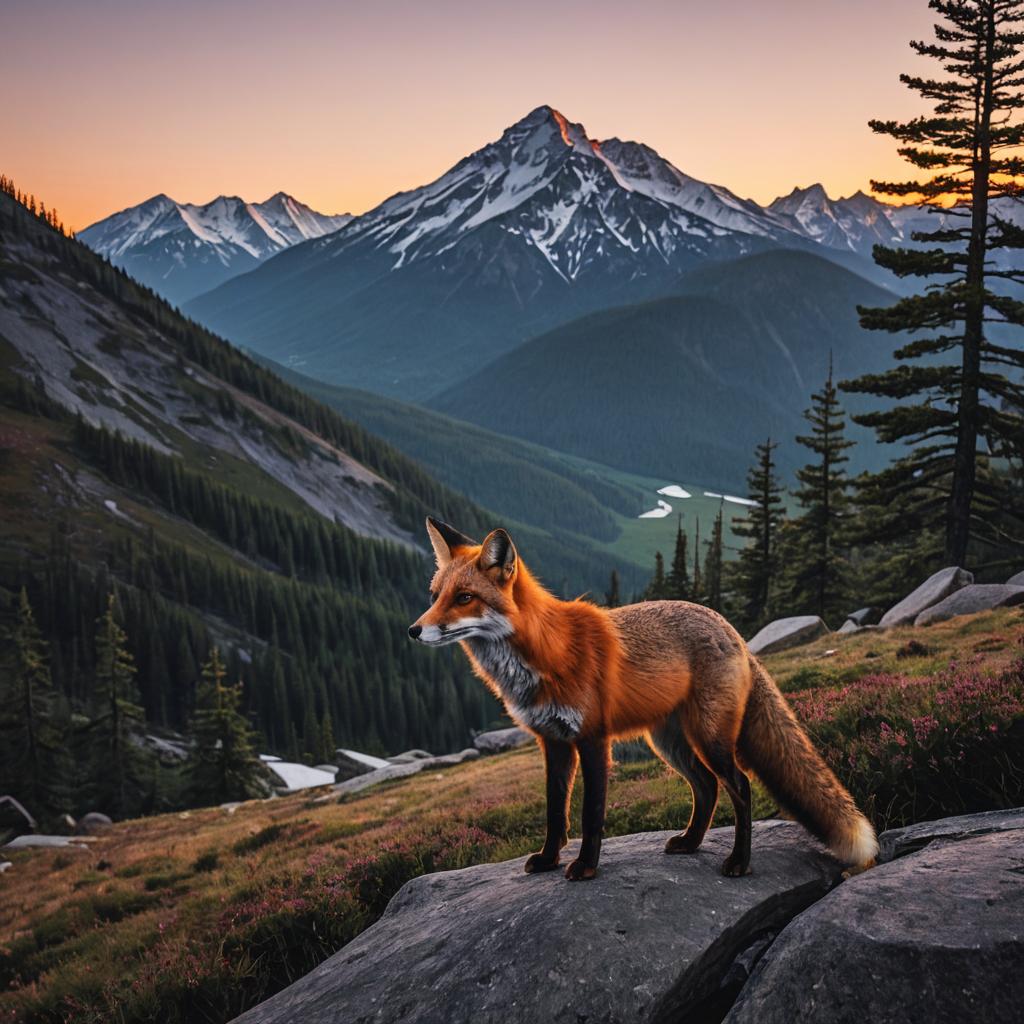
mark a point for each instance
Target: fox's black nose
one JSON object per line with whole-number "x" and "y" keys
{"x": 414, "y": 631}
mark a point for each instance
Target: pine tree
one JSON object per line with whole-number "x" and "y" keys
{"x": 959, "y": 410}
{"x": 697, "y": 587}
{"x": 657, "y": 589}
{"x": 754, "y": 575}
{"x": 32, "y": 754}
{"x": 224, "y": 765}
{"x": 817, "y": 567}
{"x": 713, "y": 566}
{"x": 119, "y": 768}
{"x": 611, "y": 597}
{"x": 679, "y": 574}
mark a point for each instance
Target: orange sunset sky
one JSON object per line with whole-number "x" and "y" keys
{"x": 342, "y": 104}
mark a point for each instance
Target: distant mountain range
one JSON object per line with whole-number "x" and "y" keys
{"x": 683, "y": 387}
{"x": 529, "y": 232}
{"x": 182, "y": 249}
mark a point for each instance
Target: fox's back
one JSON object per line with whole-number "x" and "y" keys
{"x": 658, "y": 632}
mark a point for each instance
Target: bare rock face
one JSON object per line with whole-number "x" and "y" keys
{"x": 499, "y": 740}
{"x": 932, "y": 938}
{"x": 652, "y": 938}
{"x": 898, "y": 842}
{"x": 976, "y": 597}
{"x": 1016, "y": 581}
{"x": 93, "y": 822}
{"x": 932, "y": 591}
{"x": 783, "y": 633}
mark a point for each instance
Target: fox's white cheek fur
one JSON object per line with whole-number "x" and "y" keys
{"x": 491, "y": 626}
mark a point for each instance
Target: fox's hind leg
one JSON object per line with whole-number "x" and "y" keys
{"x": 713, "y": 733}
{"x": 669, "y": 742}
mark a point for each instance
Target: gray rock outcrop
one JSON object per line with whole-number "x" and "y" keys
{"x": 94, "y": 821}
{"x": 1016, "y": 580}
{"x": 783, "y": 633}
{"x": 499, "y": 740}
{"x": 398, "y": 771}
{"x": 352, "y": 764}
{"x": 932, "y": 938}
{"x": 976, "y": 597}
{"x": 932, "y": 591}
{"x": 898, "y": 842}
{"x": 652, "y": 938}
{"x": 864, "y": 616}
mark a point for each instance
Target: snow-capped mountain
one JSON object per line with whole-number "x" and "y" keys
{"x": 184, "y": 249}
{"x": 856, "y": 223}
{"x": 534, "y": 229}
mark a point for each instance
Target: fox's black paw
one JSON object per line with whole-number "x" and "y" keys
{"x": 537, "y": 862}
{"x": 683, "y": 844}
{"x": 577, "y": 871}
{"x": 735, "y": 867}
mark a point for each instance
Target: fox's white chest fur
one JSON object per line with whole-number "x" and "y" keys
{"x": 519, "y": 686}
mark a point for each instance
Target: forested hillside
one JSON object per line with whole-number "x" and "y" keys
{"x": 141, "y": 456}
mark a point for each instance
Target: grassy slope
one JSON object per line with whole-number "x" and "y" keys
{"x": 203, "y": 913}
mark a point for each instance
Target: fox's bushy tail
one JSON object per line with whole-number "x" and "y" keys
{"x": 775, "y": 746}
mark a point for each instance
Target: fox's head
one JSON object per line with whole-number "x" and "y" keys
{"x": 471, "y": 592}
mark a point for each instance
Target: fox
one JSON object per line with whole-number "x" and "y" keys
{"x": 578, "y": 676}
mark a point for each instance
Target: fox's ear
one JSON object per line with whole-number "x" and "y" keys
{"x": 498, "y": 552}
{"x": 444, "y": 539}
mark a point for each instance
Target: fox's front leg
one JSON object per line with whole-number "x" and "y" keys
{"x": 560, "y": 760}
{"x": 595, "y": 757}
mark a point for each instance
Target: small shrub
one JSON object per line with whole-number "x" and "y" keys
{"x": 208, "y": 861}
{"x": 260, "y": 839}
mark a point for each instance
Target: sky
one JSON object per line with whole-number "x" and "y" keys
{"x": 343, "y": 104}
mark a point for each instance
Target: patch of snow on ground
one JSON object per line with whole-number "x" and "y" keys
{"x": 300, "y": 776}
{"x": 674, "y": 491}
{"x": 730, "y": 497}
{"x": 663, "y": 509}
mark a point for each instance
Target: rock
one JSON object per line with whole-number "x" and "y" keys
{"x": 92, "y": 822}
{"x": 352, "y": 763}
{"x": 651, "y": 938}
{"x": 1016, "y": 581}
{"x": 864, "y": 616}
{"x": 14, "y": 819}
{"x": 26, "y": 842}
{"x": 849, "y": 626}
{"x": 897, "y": 842}
{"x": 932, "y": 591}
{"x": 783, "y": 633}
{"x": 975, "y": 597}
{"x": 5, "y": 865}
{"x": 447, "y": 760}
{"x": 376, "y": 776}
{"x": 409, "y": 755}
{"x": 932, "y": 938}
{"x": 500, "y": 740}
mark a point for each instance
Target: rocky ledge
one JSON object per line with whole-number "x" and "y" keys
{"x": 928, "y": 936}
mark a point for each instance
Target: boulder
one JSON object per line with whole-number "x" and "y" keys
{"x": 352, "y": 763}
{"x": 447, "y": 760}
{"x": 26, "y": 842}
{"x": 864, "y": 616}
{"x": 897, "y": 842}
{"x": 93, "y": 822}
{"x": 652, "y": 938}
{"x": 976, "y": 597}
{"x": 932, "y": 591}
{"x": 409, "y": 755}
{"x": 500, "y": 740}
{"x": 1016, "y": 581}
{"x": 931, "y": 938}
{"x": 375, "y": 777}
{"x": 783, "y": 633}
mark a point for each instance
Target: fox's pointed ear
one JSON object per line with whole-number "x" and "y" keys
{"x": 444, "y": 539}
{"x": 498, "y": 552}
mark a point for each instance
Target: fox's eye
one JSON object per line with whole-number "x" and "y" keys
{"x": 463, "y": 598}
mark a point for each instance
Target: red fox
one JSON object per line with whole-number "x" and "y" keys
{"x": 578, "y": 676}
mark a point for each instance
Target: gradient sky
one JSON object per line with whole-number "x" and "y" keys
{"x": 342, "y": 104}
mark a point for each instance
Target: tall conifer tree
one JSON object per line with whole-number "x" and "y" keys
{"x": 754, "y": 576}
{"x": 964, "y": 403}
{"x": 818, "y": 569}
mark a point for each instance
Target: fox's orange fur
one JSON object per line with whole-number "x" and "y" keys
{"x": 677, "y": 673}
